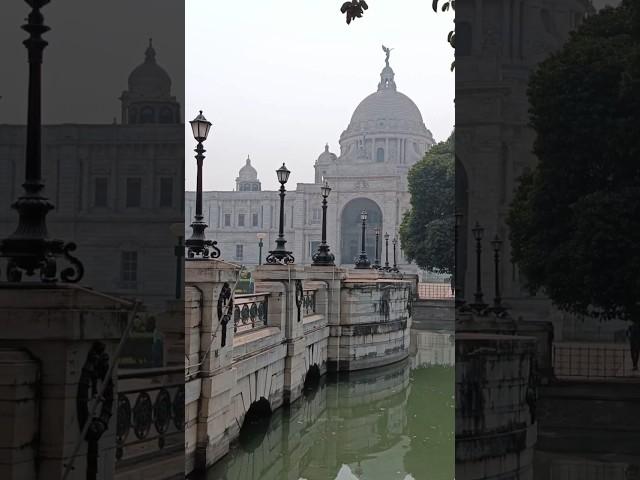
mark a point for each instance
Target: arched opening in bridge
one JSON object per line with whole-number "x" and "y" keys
{"x": 311, "y": 380}
{"x": 351, "y": 230}
{"x": 255, "y": 425}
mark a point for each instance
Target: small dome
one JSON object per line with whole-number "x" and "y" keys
{"x": 326, "y": 157}
{"x": 149, "y": 79}
{"x": 248, "y": 173}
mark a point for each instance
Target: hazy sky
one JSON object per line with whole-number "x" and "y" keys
{"x": 93, "y": 46}
{"x": 279, "y": 79}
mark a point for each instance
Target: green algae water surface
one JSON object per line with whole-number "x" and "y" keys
{"x": 389, "y": 423}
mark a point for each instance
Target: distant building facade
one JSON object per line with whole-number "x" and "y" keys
{"x": 385, "y": 137}
{"x": 114, "y": 186}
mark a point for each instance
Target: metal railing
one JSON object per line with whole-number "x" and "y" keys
{"x": 595, "y": 360}
{"x": 250, "y": 312}
{"x": 309, "y": 302}
{"x": 150, "y": 413}
{"x": 434, "y": 291}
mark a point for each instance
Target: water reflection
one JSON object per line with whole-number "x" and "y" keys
{"x": 389, "y": 423}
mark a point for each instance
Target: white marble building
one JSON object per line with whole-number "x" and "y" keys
{"x": 116, "y": 187}
{"x": 385, "y": 137}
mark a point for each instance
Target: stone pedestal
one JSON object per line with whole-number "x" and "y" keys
{"x": 541, "y": 330}
{"x": 19, "y": 415}
{"x": 496, "y": 427}
{"x": 208, "y": 350}
{"x": 54, "y": 328}
{"x": 171, "y": 325}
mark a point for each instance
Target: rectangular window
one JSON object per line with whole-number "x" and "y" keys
{"x": 227, "y": 219}
{"x": 254, "y": 222}
{"x": 129, "y": 268}
{"x": 134, "y": 192}
{"x": 100, "y": 192}
{"x": 241, "y": 220}
{"x": 316, "y": 216}
{"x": 166, "y": 192}
{"x": 239, "y": 252}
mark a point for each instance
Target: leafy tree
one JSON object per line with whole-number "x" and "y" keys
{"x": 426, "y": 230}
{"x": 353, "y": 9}
{"x": 575, "y": 219}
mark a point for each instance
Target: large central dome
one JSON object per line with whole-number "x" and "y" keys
{"x": 386, "y": 127}
{"x": 386, "y": 105}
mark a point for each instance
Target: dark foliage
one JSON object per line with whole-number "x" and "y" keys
{"x": 575, "y": 219}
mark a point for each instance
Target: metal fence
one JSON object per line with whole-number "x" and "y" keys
{"x": 591, "y": 360}
{"x": 309, "y": 302}
{"x": 434, "y": 291}
{"x": 250, "y": 312}
{"x": 150, "y": 413}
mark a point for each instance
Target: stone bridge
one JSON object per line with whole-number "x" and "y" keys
{"x": 254, "y": 352}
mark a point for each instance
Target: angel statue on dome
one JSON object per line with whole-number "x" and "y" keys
{"x": 388, "y": 52}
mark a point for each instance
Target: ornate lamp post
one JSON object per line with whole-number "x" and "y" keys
{"x": 386, "y": 247}
{"x": 281, "y": 255}
{"x": 363, "y": 261}
{"x": 178, "y": 231}
{"x": 197, "y": 244}
{"x": 395, "y": 263}
{"x": 496, "y": 243}
{"x": 261, "y": 237}
{"x": 376, "y": 261}
{"x": 456, "y": 269}
{"x": 323, "y": 256}
{"x": 29, "y": 249}
{"x": 478, "y": 233}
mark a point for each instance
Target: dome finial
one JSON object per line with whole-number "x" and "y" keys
{"x": 326, "y": 147}
{"x": 387, "y": 81}
{"x": 150, "y": 53}
{"x": 248, "y": 160}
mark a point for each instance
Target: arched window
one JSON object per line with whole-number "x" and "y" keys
{"x": 380, "y": 155}
{"x": 133, "y": 115}
{"x": 166, "y": 115}
{"x": 146, "y": 115}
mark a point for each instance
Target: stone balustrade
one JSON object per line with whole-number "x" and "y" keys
{"x": 150, "y": 420}
{"x": 250, "y": 312}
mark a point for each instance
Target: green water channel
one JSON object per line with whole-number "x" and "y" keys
{"x": 389, "y": 423}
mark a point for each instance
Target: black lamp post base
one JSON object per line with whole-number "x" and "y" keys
{"x": 29, "y": 255}
{"x": 202, "y": 249}
{"x": 323, "y": 257}
{"x": 479, "y": 308}
{"x": 198, "y": 247}
{"x": 28, "y": 248}
{"x": 280, "y": 257}
{"x": 362, "y": 262}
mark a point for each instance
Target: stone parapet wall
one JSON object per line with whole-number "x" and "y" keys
{"x": 496, "y": 426}
{"x": 48, "y": 334}
{"x": 374, "y": 323}
{"x": 542, "y": 331}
